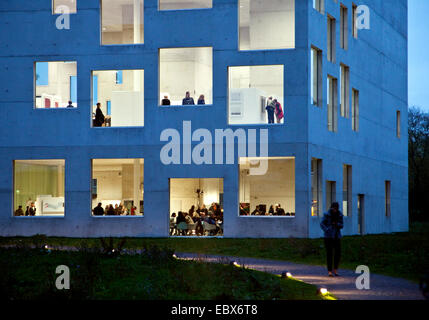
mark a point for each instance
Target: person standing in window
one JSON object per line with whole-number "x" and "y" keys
{"x": 188, "y": 100}
{"x": 165, "y": 101}
{"x": 99, "y": 116}
{"x": 201, "y": 100}
{"x": 278, "y": 111}
{"x": 98, "y": 210}
{"x": 19, "y": 212}
{"x": 70, "y": 105}
{"x": 270, "y": 109}
{"x": 32, "y": 210}
{"x": 331, "y": 224}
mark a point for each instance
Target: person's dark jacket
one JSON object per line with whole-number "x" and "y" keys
{"x": 110, "y": 211}
{"x": 99, "y": 118}
{"x": 32, "y": 211}
{"x": 188, "y": 101}
{"x": 201, "y": 101}
{"x": 19, "y": 212}
{"x": 98, "y": 211}
{"x": 180, "y": 218}
{"x": 280, "y": 212}
{"x": 332, "y": 226}
{"x": 165, "y": 102}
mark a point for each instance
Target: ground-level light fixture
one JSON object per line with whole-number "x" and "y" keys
{"x": 322, "y": 291}
{"x": 286, "y": 274}
{"x": 235, "y": 264}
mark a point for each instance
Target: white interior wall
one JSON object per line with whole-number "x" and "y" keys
{"x": 276, "y": 186}
{"x": 267, "y": 24}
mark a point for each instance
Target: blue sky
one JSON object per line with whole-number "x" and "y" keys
{"x": 418, "y": 53}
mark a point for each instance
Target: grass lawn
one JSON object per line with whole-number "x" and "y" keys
{"x": 404, "y": 255}
{"x": 30, "y": 274}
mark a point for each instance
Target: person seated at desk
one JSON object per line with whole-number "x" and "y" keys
{"x": 210, "y": 219}
{"x": 201, "y": 100}
{"x": 256, "y": 212}
{"x": 165, "y": 101}
{"x": 19, "y": 212}
{"x": 279, "y": 210}
{"x": 188, "y": 100}
{"x": 98, "y": 210}
{"x": 203, "y": 209}
{"x": 70, "y": 105}
{"x": 110, "y": 211}
{"x": 180, "y": 217}
{"x": 271, "y": 210}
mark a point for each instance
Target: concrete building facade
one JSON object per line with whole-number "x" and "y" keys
{"x": 343, "y": 90}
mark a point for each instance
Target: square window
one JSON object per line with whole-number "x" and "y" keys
{"x": 39, "y": 188}
{"x": 120, "y": 96}
{"x": 184, "y": 4}
{"x": 266, "y": 25}
{"x": 55, "y": 84}
{"x": 186, "y": 76}
{"x": 117, "y": 187}
{"x": 196, "y": 206}
{"x": 268, "y": 193}
{"x": 122, "y": 22}
{"x": 64, "y": 6}
{"x": 256, "y": 94}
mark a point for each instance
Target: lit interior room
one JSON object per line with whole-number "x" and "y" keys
{"x": 266, "y": 24}
{"x": 275, "y": 188}
{"x": 58, "y": 6}
{"x": 121, "y": 96}
{"x": 184, "y": 4}
{"x": 250, "y": 88}
{"x": 39, "y": 187}
{"x": 118, "y": 183}
{"x": 122, "y": 22}
{"x": 56, "y": 84}
{"x": 186, "y": 70}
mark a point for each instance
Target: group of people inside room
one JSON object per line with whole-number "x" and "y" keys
{"x": 196, "y": 221}
{"x": 261, "y": 210}
{"x": 186, "y": 101}
{"x": 114, "y": 210}
{"x": 274, "y": 108}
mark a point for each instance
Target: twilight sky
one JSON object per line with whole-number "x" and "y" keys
{"x": 418, "y": 53}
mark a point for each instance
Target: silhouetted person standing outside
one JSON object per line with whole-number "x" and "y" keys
{"x": 331, "y": 224}
{"x": 99, "y": 116}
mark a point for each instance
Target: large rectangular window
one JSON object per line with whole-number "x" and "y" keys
{"x": 345, "y": 90}
{"x": 117, "y": 187}
{"x": 316, "y": 187}
{"x": 120, "y": 97}
{"x": 387, "y": 187}
{"x": 332, "y": 104}
{"x": 64, "y": 6}
{"x": 331, "y": 39}
{"x": 316, "y": 76}
{"x": 55, "y": 84}
{"x": 122, "y": 22}
{"x": 347, "y": 190}
{"x": 266, "y": 25}
{"x": 39, "y": 187}
{"x": 186, "y": 76}
{"x": 344, "y": 27}
{"x": 271, "y": 193}
{"x": 355, "y": 110}
{"x": 256, "y": 94}
{"x": 196, "y": 207}
{"x": 184, "y": 4}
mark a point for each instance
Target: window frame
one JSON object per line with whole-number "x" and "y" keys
{"x": 159, "y": 8}
{"x": 57, "y": 14}
{"x": 316, "y": 76}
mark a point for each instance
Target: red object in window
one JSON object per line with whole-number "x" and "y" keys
{"x": 56, "y": 105}
{"x": 47, "y": 103}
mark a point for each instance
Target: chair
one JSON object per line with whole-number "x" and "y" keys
{"x": 210, "y": 229}
{"x": 192, "y": 227}
{"x": 182, "y": 227}
{"x": 172, "y": 228}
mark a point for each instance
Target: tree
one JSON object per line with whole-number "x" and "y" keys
{"x": 418, "y": 158}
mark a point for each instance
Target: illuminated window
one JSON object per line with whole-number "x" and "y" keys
{"x": 316, "y": 76}
{"x": 266, "y": 24}
{"x": 319, "y": 5}
{"x": 186, "y": 70}
{"x": 256, "y": 94}
{"x": 39, "y": 188}
{"x": 64, "y": 6}
{"x": 55, "y": 84}
{"x": 122, "y": 22}
{"x": 316, "y": 187}
{"x": 184, "y": 4}
{"x": 345, "y": 90}
{"x": 120, "y": 96}
{"x": 347, "y": 190}
{"x": 267, "y": 186}
{"x": 117, "y": 187}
